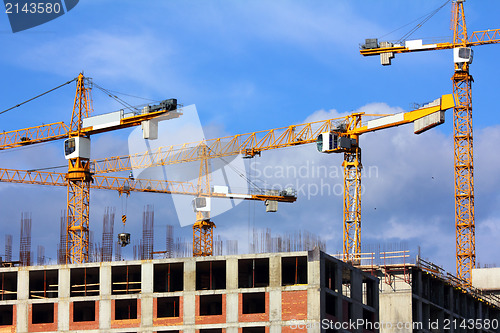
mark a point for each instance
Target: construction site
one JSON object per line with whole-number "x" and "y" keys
{"x": 125, "y": 280}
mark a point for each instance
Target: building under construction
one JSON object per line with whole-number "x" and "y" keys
{"x": 422, "y": 297}
{"x": 277, "y": 292}
{"x": 282, "y": 289}
{"x": 266, "y": 292}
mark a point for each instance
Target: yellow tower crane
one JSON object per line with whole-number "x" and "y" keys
{"x": 80, "y": 178}
{"x": 461, "y": 44}
{"x": 338, "y": 135}
{"x": 77, "y": 152}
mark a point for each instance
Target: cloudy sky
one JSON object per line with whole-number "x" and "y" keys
{"x": 257, "y": 65}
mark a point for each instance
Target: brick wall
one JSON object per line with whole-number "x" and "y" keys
{"x": 251, "y": 317}
{"x": 294, "y": 305}
{"x": 171, "y": 320}
{"x": 42, "y": 327}
{"x": 85, "y": 325}
{"x": 127, "y": 322}
{"x": 215, "y": 319}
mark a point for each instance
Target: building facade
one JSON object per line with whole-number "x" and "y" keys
{"x": 254, "y": 293}
{"x": 421, "y": 298}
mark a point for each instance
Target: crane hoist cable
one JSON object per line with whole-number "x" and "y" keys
{"x": 124, "y": 94}
{"x": 128, "y": 106}
{"x": 423, "y": 19}
{"x": 124, "y": 237}
{"x": 241, "y": 174}
{"x": 33, "y": 98}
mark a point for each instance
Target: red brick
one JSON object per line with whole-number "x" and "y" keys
{"x": 288, "y": 329}
{"x": 294, "y": 305}
{"x": 251, "y": 317}
{"x": 168, "y": 321}
{"x": 42, "y": 327}
{"x": 11, "y": 328}
{"x": 127, "y": 322}
{"x": 216, "y": 319}
{"x": 84, "y": 325}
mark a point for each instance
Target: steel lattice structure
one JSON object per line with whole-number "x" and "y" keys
{"x": 462, "y": 127}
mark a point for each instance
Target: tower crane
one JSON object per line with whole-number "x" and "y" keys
{"x": 461, "y": 44}
{"x": 80, "y": 178}
{"x": 338, "y": 135}
{"x": 77, "y": 152}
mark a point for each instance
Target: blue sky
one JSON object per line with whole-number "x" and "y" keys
{"x": 256, "y": 65}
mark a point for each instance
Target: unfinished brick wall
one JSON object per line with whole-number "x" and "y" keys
{"x": 252, "y": 317}
{"x": 178, "y": 320}
{"x": 83, "y": 325}
{"x": 294, "y": 305}
{"x": 211, "y": 319}
{"x": 45, "y": 327}
{"x": 125, "y": 322}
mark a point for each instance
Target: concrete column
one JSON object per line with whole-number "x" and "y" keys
{"x": 314, "y": 288}
{"x": 274, "y": 328}
{"x": 231, "y": 308}
{"x": 231, "y": 273}
{"x": 274, "y": 305}
{"x": 63, "y": 290}
{"x": 105, "y": 293}
{"x": 356, "y": 295}
{"x": 356, "y": 286}
{"x": 376, "y": 298}
{"x": 418, "y": 282}
{"x": 22, "y": 306}
{"x": 105, "y": 280}
{"x": 275, "y": 293}
{"x": 338, "y": 286}
{"x": 189, "y": 289}
{"x": 147, "y": 276}
{"x": 274, "y": 271}
{"x": 232, "y": 292}
{"x": 189, "y": 275}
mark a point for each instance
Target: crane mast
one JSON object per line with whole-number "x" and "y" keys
{"x": 462, "y": 123}
{"x": 78, "y": 178}
{"x": 352, "y": 195}
{"x": 463, "y": 148}
{"x": 203, "y": 228}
